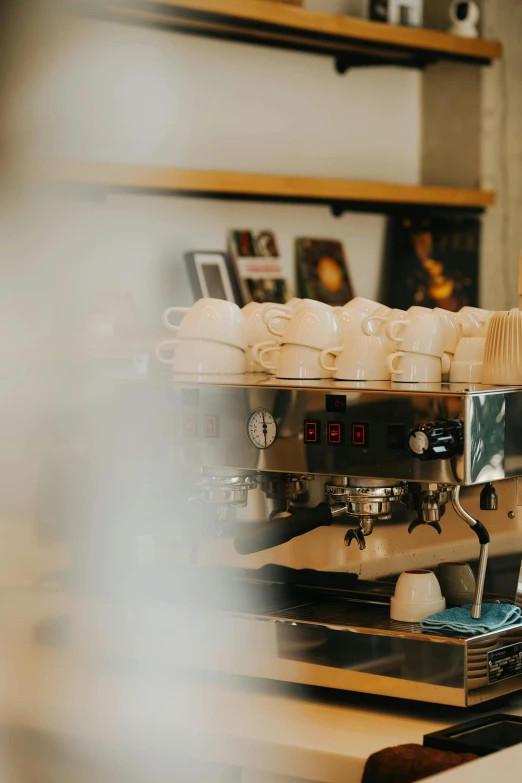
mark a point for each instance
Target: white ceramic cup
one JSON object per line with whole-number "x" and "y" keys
{"x": 470, "y": 349}
{"x": 417, "y": 596}
{"x": 349, "y": 321}
{"x": 202, "y": 357}
{"x": 421, "y": 332}
{"x": 474, "y": 321}
{"x": 466, "y": 366}
{"x": 314, "y": 325}
{"x": 359, "y": 358}
{"x": 253, "y": 313}
{"x": 289, "y": 361}
{"x": 362, "y": 305}
{"x": 452, "y": 329}
{"x": 210, "y": 319}
{"x": 457, "y": 583}
{"x": 407, "y": 367}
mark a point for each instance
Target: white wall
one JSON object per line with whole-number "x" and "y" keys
{"x": 132, "y": 94}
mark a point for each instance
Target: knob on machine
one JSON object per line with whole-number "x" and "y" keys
{"x": 437, "y": 439}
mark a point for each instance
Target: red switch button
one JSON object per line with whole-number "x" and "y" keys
{"x": 211, "y": 427}
{"x": 359, "y": 435}
{"x": 189, "y": 424}
{"x": 312, "y": 432}
{"x": 335, "y": 433}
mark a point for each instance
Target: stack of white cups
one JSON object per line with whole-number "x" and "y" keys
{"x": 466, "y": 366}
{"x": 420, "y": 338}
{"x": 211, "y": 338}
{"x": 257, "y": 332}
{"x": 302, "y": 333}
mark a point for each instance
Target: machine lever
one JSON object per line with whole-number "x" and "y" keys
{"x": 279, "y": 531}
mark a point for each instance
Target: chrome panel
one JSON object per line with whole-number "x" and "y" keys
{"x": 492, "y": 428}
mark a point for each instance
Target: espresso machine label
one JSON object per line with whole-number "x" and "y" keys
{"x": 505, "y": 663}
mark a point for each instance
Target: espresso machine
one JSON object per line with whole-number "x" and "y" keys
{"x": 316, "y": 496}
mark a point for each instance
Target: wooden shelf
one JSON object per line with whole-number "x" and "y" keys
{"x": 341, "y": 194}
{"x": 353, "y": 42}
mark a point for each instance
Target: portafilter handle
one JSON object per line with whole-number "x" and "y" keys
{"x": 279, "y": 531}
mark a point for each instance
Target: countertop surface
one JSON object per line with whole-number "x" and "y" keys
{"x": 296, "y": 731}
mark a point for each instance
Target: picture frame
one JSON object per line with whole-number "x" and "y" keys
{"x": 322, "y": 271}
{"x": 211, "y": 275}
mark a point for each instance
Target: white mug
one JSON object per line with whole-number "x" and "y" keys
{"x": 360, "y": 358}
{"x": 210, "y": 319}
{"x": 362, "y": 305}
{"x": 202, "y": 356}
{"x": 416, "y": 367}
{"x": 253, "y": 313}
{"x": 420, "y": 332}
{"x": 315, "y": 326}
{"x": 452, "y": 329}
{"x": 470, "y": 349}
{"x": 474, "y": 321}
{"x": 349, "y": 321}
{"x": 294, "y": 362}
{"x": 417, "y": 596}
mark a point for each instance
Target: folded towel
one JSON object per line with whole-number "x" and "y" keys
{"x": 494, "y": 617}
{"x": 409, "y": 763}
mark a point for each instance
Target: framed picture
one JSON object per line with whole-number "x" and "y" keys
{"x": 211, "y": 276}
{"x": 322, "y": 271}
{"x": 257, "y": 266}
{"x": 433, "y": 261}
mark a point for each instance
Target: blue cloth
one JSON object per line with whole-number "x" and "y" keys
{"x": 494, "y": 617}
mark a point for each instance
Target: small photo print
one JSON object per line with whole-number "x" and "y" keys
{"x": 322, "y": 271}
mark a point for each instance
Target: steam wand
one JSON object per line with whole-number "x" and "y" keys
{"x": 483, "y": 537}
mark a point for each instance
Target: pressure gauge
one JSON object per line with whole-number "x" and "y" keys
{"x": 261, "y": 428}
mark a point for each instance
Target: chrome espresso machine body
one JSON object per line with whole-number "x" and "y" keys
{"x": 358, "y": 482}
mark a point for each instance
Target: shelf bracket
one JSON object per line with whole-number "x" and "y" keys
{"x": 344, "y": 62}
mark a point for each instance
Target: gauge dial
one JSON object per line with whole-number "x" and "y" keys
{"x": 261, "y": 428}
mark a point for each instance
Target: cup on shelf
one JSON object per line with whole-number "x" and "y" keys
{"x": 349, "y": 321}
{"x": 313, "y": 325}
{"x": 362, "y": 305}
{"x": 359, "y": 358}
{"x": 467, "y": 363}
{"x": 406, "y": 367}
{"x": 457, "y": 583}
{"x": 375, "y": 324}
{"x": 420, "y": 332}
{"x": 474, "y": 321}
{"x": 202, "y": 357}
{"x": 417, "y": 596}
{"x": 256, "y": 330}
{"x": 289, "y": 361}
{"x": 216, "y": 320}
{"x": 452, "y": 329}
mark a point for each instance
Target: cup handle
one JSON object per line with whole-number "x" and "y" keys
{"x": 366, "y": 323}
{"x": 271, "y": 310}
{"x": 165, "y": 317}
{"x": 389, "y": 360}
{"x": 276, "y": 317}
{"x": 254, "y": 351}
{"x": 466, "y": 329}
{"x": 390, "y": 331}
{"x": 445, "y": 364}
{"x": 268, "y": 349}
{"x": 334, "y": 352}
{"x": 163, "y": 345}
